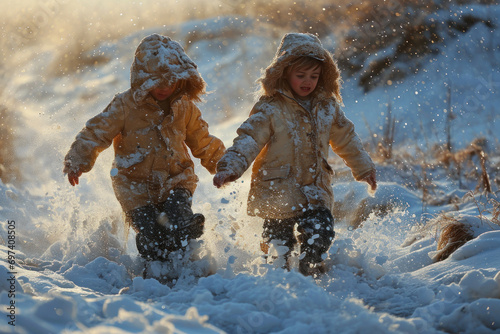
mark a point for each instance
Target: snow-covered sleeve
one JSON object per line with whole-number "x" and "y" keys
{"x": 96, "y": 136}
{"x": 208, "y": 148}
{"x": 253, "y": 135}
{"x": 347, "y": 145}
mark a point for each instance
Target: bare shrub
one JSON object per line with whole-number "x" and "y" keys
{"x": 495, "y": 212}
{"x": 483, "y": 210}
{"x": 470, "y": 161}
{"x": 385, "y": 141}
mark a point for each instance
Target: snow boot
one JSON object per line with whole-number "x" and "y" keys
{"x": 279, "y": 240}
{"x": 312, "y": 269}
{"x": 181, "y": 232}
{"x": 150, "y": 235}
{"x": 315, "y": 237}
{"x": 194, "y": 227}
{"x": 165, "y": 227}
{"x": 179, "y": 220}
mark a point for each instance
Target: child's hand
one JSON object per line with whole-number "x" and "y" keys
{"x": 371, "y": 180}
{"x": 73, "y": 177}
{"x": 72, "y": 174}
{"x": 221, "y": 178}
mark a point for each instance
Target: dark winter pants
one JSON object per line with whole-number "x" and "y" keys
{"x": 316, "y": 234}
{"x": 165, "y": 227}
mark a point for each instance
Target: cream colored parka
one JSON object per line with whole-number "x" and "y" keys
{"x": 289, "y": 143}
{"x": 150, "y": 144}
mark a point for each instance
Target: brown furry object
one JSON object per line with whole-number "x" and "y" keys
{"x": 453, "y": 236}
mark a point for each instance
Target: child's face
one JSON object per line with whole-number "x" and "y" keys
{"x": 303, "y": 82}
{"x": 163, "y": 92}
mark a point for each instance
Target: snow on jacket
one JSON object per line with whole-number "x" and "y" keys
{"x": 289, "y": 145}
{"x": 151, "y": 155}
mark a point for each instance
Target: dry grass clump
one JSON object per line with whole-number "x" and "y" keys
{"x": 453, "y": 235}
{"x": 495, "y": 211}
{"x": 469, "y": 162}
{"x": 486, "y": 208}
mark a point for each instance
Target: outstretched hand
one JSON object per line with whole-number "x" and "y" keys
{"x": 73, "y": 177}
{"x": 221, "y": 178}
{"x": 371, "y": 180}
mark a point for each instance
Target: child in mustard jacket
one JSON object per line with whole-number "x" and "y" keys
{"x": 151, "y": 126}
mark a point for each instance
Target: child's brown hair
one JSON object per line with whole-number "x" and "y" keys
{"x": 193, "y": 89}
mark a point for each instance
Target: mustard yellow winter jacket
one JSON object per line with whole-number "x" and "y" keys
{"x": 288, "y": 142}
{"x": 150, "y": 144}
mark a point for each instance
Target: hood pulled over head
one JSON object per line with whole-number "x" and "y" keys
{"x": 292, "y": 47}
{"x": 161, "y": 61}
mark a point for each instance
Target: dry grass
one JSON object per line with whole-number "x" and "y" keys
{"x": 470, "y": 165}
{"x": 487, "y": 206}
{"x": 384, "y": 142}
{"x": 495, "y": 211}
{"x": 470, "y": 162}
{"x": 453, "y": 235}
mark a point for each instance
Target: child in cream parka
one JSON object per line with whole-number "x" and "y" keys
{"x": 287, "y": 137}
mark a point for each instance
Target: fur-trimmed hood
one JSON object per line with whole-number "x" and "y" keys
{"x": 293, "y": 46}
{"x": 161, "y": 60}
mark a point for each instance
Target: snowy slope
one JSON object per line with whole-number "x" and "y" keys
{"x": 77, "y": 271}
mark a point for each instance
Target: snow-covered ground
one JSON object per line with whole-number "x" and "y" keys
{"x": 75, "y": 266}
